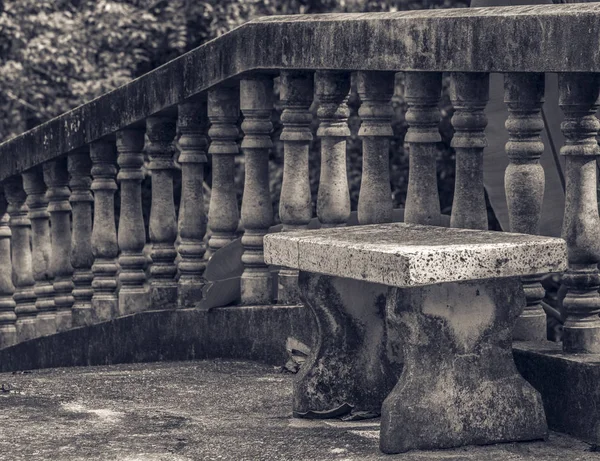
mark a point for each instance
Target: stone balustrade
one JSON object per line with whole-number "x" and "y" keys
{"x": 77, "y": 249}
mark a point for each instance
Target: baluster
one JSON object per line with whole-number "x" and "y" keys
{"x": 333, "y": 200}
{"x": 422, "y": 94}
{"x": 163, "y": 229}
{"x": 134, "y": 295}
{"x": 223, "y": 214}
{"x": 578, "y": 98}
{"x": 104, "y": 233}
{"x": 193, "y": 142}
{"x": 256, "y": 101}
{"x": 524, "y": 184}
{"x": 469, "y": 93}
{"x": 56, "y": 177}
{"x": 79, "y": 165}
{"x": 375, "y": 201}
{"x": 22, "y": 271}
{"x": 295, "y": 207}
{"x": 8, "y": 331}
{"x": 41, "y": 250}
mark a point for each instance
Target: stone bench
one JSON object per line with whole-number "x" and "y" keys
{"x": 454, "y": 296}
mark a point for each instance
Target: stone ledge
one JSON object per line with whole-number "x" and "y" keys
{"x": 569, "y": 384}
{"x": 543, "y": 38}
{"x": 243, "y": 332}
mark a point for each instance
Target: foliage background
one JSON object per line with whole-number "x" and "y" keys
{"x": 57, "y": 54}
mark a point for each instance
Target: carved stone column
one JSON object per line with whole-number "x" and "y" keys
{"x": 41, "y": 250}
{"x": 295, "y": 203}
{"x": 333, "y": 201}
{"x": 134, "y": 293}
{"x": 22, "y": 271}
{"x": 470, "y": 94}
{"x": 82, "y": 257}
{"x": 524, "y": 184}
{"x": 163, "y": 227}
{"x": 193, "y": 143}
{"x": 422, "y": 94}
{"x": 57, "y": 180}
{"x": 578, "y": 98}
{"x": 8, "y": 332}
{"x": 375, "y": 201}
{"x": 104, "y": 233}
{"x": 223, "y": 214}
{"x": 256, "y": 101}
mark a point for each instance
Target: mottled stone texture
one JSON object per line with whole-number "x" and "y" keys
{"x": 459, "y": 385}
{"x": 160, "y": 132}
{"x": 422, "y": 94}
{"x": 192, "y": 122}
{"x": 295, "y": 203}
{"x": 349, "y": 363}
{"x": 256, "y": 103}
{"x": 82, "y": 257}
{"x": 568, "y": 384}
{"x": 22, "y": 270}
{"x": 579, "y": 100}
{"x": 375, "y": 201}
{"x": 8, "y": 332}
{"x": 134, "y": 293}
{"x": 399, "y": 254}
{"x": 104, "y": 235}
{"x": 223, "y": 213}
{"x": 524, "y": 184}
{"x": 469, "y": 93}
{"x": 41, "y": 250}
{"x": 333, "y": 198}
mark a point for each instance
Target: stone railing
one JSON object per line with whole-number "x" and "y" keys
{"x": 60, "y": 178}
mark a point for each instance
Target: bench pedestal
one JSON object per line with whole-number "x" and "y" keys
{"x": 349, "y": 364}
{"x": 459, "y": 385}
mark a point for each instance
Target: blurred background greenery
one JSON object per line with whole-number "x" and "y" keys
{"x": 57, "y": 54}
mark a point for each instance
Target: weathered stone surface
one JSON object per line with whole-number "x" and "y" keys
{"x": 241, "y": 332}
{"x": 412, "y": 255}
{"x": 544, "y": 38}
{"x": 349, "y": 364}
{"x": 459, "y": 385}
{"x": 568, "y": 384}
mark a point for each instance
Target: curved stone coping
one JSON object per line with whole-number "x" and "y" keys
{"x": 543, "y": 38}
{"x": 238, "y": 332}
{"x": 408, "y": 255}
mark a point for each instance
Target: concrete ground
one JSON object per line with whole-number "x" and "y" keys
{"x": 202, "y": 410}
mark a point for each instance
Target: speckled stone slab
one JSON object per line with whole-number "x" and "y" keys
{"x": 410, "y": 255}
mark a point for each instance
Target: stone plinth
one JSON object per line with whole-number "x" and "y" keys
{"x": 454, "y": 301}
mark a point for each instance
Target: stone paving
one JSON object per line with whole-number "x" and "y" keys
{"x": 202, "y": 410}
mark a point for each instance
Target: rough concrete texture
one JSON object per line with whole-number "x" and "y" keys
{"x": 191, "y": 411}
{"x": 349, "y": 366}
{"x": 404, "y": 255}
{"x": 249, "y": 332}
{"x": 543, "y": 38}
{"x": 459, "y": 385}
{"x": 568, "y": 384}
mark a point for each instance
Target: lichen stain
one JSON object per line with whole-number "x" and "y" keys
{"x": 467, "y": 310}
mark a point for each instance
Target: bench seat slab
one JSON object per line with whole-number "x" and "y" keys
{"x": 405, "y": 255}
{"x": 459, "y": 385}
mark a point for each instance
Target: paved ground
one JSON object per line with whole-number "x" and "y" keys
{"x": 209, "y": 410}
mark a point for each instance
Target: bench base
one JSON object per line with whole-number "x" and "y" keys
{"x": 459, "y": 385}
{"x": 354, "y": 364}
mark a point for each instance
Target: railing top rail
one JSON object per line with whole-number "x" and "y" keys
{"x": 543, "y": 38}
